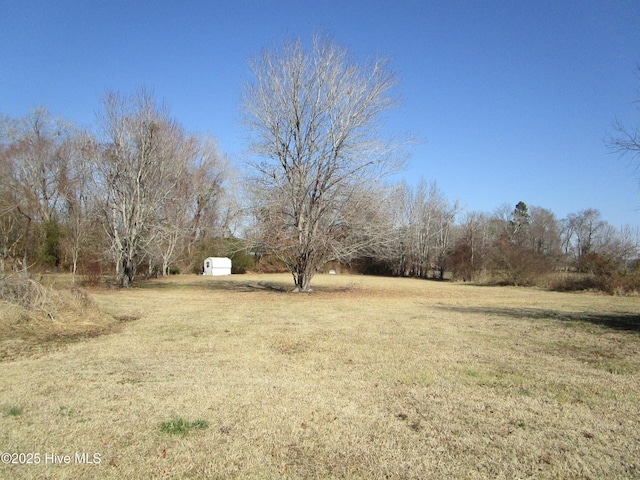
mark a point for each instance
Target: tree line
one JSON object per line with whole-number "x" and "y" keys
{"x": 140, "y": 193}
{"x": 142, "y": 196}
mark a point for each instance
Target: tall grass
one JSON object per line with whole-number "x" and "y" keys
{"x": 34, "y": 316}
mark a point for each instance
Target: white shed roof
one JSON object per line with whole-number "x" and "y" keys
{"x": 219, "y": 262}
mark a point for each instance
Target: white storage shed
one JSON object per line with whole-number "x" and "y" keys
{"x": 217, "y": 266}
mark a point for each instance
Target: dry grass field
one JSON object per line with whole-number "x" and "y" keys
{"x": 366, "y": 378}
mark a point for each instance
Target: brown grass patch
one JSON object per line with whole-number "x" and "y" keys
{"x": 364, "y": 378}
{"x": 37, "y": 318}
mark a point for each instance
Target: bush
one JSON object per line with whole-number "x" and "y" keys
{"x": 270, "y": 264}
{"x": 50, "y": 249}
{"x": 91, "y": 272}
{"x": 241, "y": 262}
{"x": 612, "y": 284}
{"x": 572, "y": 282}
{"x": 24, "y": 292}
{"x": 516, "y": 265}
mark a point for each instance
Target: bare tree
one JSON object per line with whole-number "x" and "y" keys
{"x": 79, "y": 204}
{"x": 626, "y": 140}
{"x": 581, "y": 234}
{"x": 544, "y": 233}
{"x": 474, "y": 238}
{"x": 195, "y": 210}
{"x": 596, "y": 247}
{"x": 211, "y": 208}
{"x": 39, "y": 159}
{"x": 139, "y": 169}
{"x": 425, "y": 229}
{"x": 34, "y": 160}
{"x": 13, "y": 224}
{"x": 315, "y": 119}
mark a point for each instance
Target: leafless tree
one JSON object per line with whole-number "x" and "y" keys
{"x": 425, "y": 229}
{"x": 78, "y": 212}
{"x": 580, "y": 234}
{"x": 473, "y": 239}
{"x": 544, "y": 233}
{"x": 34, "y": 160}
{"x": 39, "y": 159}
{"x": 626, "y": 139}
{"x": 212, "y": 208}
{"x": 138, "y": 171}
{"x": 13, "y": 224}
{"x": 592, "y": 244}
{"x": 196, "y": 209}
{"x": 314, "y": 115}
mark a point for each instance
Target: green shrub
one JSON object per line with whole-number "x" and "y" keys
{"x": 50, "y": 250}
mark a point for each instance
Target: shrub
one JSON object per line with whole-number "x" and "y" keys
{"x": 91, "y": 272}
{"x": 612, "y": 284}
{"x": 516, "y": 265}
{"x": 269, "y": 264}
{"x": 50, "y": 249}
{"x": 24, "y": 292}
{"x": 241, "y": 262}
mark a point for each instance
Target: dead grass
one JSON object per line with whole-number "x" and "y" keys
{"x": 364, "y": 378}
{"x": 36, "y": 318}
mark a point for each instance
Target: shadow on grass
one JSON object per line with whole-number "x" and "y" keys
{"x": 235, "y": 286}
{"x": 618, "y": 321}
{"x": 218, "y": 284}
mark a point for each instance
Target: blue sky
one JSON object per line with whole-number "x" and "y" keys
{"x": 512, "y": 99}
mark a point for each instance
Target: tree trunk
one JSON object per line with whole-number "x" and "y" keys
{"x": 128, "y": 272}
{"x": 302, "y": 279}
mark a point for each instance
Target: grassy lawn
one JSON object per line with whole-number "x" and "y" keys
{"x": 365, "y": 378}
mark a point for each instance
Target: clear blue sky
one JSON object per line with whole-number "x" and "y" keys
{"x": 513, "y": 99}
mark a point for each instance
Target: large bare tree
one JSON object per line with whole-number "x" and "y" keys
{"x": 141, "y": 167}
{"x": 315, "y": 116}
{"x": 159, "y": 186}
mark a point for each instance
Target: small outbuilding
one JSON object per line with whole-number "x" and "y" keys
{"x": 217, "y": 266}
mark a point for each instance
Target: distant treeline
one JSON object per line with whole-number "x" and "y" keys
{"x": 142, "y": 196}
